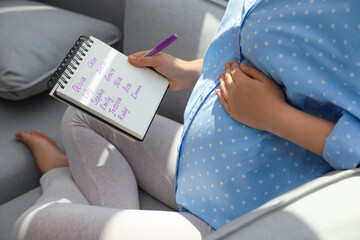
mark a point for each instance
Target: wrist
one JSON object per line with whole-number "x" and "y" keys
{"x": 194, "y": 69}
{"x": 279, "y": 119}
{"x": 303, "y": 129}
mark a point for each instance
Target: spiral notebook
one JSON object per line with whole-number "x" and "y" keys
{"x": 98, "y": 80}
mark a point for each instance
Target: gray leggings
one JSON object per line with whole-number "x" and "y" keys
{"x": 97, "y": 196}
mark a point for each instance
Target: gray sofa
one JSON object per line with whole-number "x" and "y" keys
{"x": 326, "y": 208}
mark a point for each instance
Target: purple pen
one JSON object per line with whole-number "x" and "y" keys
{"x": 162, "y": 45}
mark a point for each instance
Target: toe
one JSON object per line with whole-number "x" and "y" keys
{"x": 23, "y": 136}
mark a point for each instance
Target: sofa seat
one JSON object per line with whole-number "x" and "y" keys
{"x": 11, "y": 210}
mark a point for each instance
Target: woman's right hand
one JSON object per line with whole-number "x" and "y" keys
{"x": 181, "y": 74}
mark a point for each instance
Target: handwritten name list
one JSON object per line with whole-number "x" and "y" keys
{"x": 103, "y": 99}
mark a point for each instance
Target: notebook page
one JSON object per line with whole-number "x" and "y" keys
{"x": 107, "y": 85}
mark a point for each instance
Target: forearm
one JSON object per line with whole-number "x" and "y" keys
{"x": 303, "y": 129}
{"x": 193, "y": 70}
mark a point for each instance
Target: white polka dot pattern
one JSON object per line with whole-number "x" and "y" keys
{"x": 311, "y": 49}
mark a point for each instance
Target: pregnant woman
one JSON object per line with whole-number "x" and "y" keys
{"x": 275, "y": 104}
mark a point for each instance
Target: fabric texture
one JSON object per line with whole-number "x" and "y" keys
{"x": 225, "y": 168}
{"x": 35, "y": 39}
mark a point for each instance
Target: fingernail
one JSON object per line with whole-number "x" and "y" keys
{"x": 133, "y": 58}
{"x": 243, "y": 65}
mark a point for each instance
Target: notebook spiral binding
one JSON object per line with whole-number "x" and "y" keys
{"x": 72, "y": 59}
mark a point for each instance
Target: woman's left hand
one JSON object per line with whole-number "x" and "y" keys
{"x": 250, "y": 97}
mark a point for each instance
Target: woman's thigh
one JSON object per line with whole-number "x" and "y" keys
{"x": 64, "y": 221}
{"x": 63, "y": 213}
{"x": 153, "y": 161}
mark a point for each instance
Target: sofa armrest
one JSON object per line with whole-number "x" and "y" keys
{"x": 324, "y": 208}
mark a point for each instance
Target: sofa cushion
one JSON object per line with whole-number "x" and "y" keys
{"x": 11, "y": 210}
{"x": 18, "y": 171}
{"x": 325, "y": 208}
{"x": 35, "y": 38}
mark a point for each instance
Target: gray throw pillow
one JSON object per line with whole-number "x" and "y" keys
{"x": 34, "y": 39}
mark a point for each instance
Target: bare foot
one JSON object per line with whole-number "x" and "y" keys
{"x": 46, "y": 153}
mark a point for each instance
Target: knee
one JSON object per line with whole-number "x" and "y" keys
{"x": 62, "y": 221}
{"x": 73, "y": 117}
{"x": 40, "y": 222}
{"x": 70, "y": 115}
{"x": 27, "y": 225}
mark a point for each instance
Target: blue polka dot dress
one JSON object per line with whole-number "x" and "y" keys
{"x": 312, "y": 50}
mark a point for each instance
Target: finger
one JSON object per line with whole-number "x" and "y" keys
{"x": 229, "y": 81}
{"x": 137, "y": 60}
{"x": 252, "y": 72}
{"x": 223, "y": 88}
{"x": 227, "y": 71}
{"x": 222, "y": 100}
{"x": 236, "y": 72}
{"x": 221, "y": 77}
{"x": 140, "y": 54}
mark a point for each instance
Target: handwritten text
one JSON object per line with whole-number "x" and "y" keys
{"x": 127, "y": 87}
{"x": 98, "y": 97}
{"x": 136, "y": 94}
{"x": 110, "y": 74}
{"x": 115, "y": 107}
{"x": 101, "y": 68}
{"x": 87, "y": 93}
{"x": 123, "y": 114}
{"x": 78, "y": 85}
{"x": 91, "y": 63}
{"x": 117, "y": 82}
{"x": 106, "y": 103}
